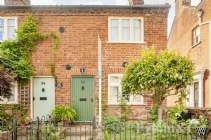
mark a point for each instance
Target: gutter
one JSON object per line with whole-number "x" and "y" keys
{"x": 43, "y": 7}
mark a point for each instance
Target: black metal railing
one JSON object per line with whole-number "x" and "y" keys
{"x": 153, "y": 132}
{"x": 46, "y": 128}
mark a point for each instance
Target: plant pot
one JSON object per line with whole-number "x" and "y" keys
{"x": 66, "y": 123}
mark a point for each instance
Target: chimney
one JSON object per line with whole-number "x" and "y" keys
{"x": 136, "y": 2}
{"x": 17, "y": 2}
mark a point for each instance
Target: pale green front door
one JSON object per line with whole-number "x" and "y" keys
{"x": 82, "y": 97}
{"x": 43, "y": 96}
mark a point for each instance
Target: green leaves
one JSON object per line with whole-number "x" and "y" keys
{"x": 158, "y": 74}
{"x": 15, "y": 55}
{"x": 64, "y": 113}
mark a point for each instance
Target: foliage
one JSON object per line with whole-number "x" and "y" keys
{"x": 6, "y": 79}
{"x": 8, "y": 112}
{"x": 158, "y": 75}
{"x": 51, "y": 132}
{"x": 201, "y": 122}
{"x": 125, "y": 110}
{"x": 154, "y": 114}
{"x": 174, "y": 113}
{"x": 64, "y": 113}
{"x": 112, "y": 124}
{"x": 163, "y": 131}
{"x": 16, "y": 54}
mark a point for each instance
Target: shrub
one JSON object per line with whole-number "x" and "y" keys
{"x": 8, "y": 112}
{"x": 64, "y": 113}
{"x": 174, "y": 114}
{"x": 154, "y": 114}
{"x": 112, "y": 124}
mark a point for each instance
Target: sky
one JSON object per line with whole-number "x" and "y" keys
{"x": 111, "y": 2}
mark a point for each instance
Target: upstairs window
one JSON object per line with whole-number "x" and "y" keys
{"x": 115, "y": 92}
{"x": 126, "y": 30}
{"x": 8, "y": 26}
{"x": 196, "y": 36}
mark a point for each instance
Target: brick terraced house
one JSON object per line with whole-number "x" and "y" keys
{"x": 191, "y": 36}
{"x": 96, "y": 42}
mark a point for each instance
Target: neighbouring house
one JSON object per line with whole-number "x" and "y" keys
{"x": 96, "y": 43}
{"x": 191, "y": 36}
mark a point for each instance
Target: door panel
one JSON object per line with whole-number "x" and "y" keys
{"x": 82, "y": 97}
{"x": 43, "y": 96}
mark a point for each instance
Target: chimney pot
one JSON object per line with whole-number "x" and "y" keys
{"x": 136, "y": 2}
{"x": 17, "y": 2}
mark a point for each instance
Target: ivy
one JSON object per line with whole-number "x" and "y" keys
{"x": 15, "y": 55}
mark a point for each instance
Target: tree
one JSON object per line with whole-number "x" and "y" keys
{"x": 158, "y": 76}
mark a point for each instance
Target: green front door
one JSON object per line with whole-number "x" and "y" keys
{"x": 43, "y": 96}
{"x": 82, "y": 97}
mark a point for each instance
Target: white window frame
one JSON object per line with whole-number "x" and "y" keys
{"x": 195, "y": 35}
{"x": 190, "y": 102}
{"x": 120, "y": 88}
{"x": 120, "y": 40}
{"x": 5, "y": 34}
{"x": 15, "y": 96}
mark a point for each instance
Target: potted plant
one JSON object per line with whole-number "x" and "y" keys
{"x": 65, "y": 114}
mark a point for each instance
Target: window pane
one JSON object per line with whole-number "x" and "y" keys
{"x": 13, "y": 88}
{"x": 114, "y": 30}
{"x": 125, "y": 30}
{"x": 137, "y": 99}
{"x": 11, "y": 28}
{"x": 114, "y": 94}
{"x": 196, "y": 94}
{"x": 1, "y": 29}
{"x": 11, "y": 22}
{"x": 1, "y": 22}
{"x": 115, "y": 80}
{"x": 11, "y": 32}
{"x": 136, "y": 30}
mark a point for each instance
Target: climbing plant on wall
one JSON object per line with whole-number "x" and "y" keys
{"x": 15, "y": 55}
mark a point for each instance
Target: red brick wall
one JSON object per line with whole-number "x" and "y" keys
{"x": 78, "y": 45}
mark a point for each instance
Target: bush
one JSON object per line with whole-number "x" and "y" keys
{"x": 154, "y": 114}
{"x": 174, "y": 114}
{"x": 64, "y": 113}
{"x": 112, "y": 124}
{"x": 8, "y": 112}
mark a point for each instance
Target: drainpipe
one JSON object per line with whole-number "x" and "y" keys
{"x": 209, "y": 55}
{"x": 209, "y": 63}
{"x": 100, "y": 78}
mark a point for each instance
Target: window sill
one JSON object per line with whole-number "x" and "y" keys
{"x": 120, "y": 42}
{"x": 196, "y": 44}
{"x": 127, "y": 104}
{"x": 8, "y": 103}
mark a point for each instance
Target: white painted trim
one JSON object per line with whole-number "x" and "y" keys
{"x": 109, "y": 81}
{"x": 122, "y": 41}
{"x": 200, "y": 79}
{"x": 120, "y": 88}
{"x": 31, "y": 98}
{"x": 31, "y": 93}
{"x": 5, "y": 30}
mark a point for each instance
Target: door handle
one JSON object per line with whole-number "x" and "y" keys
{"x": 33, "y": 98}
